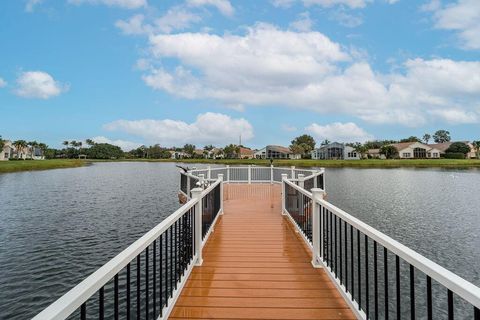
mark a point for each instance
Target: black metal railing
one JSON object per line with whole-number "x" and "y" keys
{"x": 300, "y": 207}
{"x": 184, "y": 183}
{"x": 382, "y": 284}
{"x": 143, "y": 288}
{"x": 210, "y": 208}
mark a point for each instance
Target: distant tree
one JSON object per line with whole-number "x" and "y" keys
{"x": 231, "y": 151}
{"x": 2, "y": 143}
{"x": 66, "y": 143}
{"x": 389, "y": 151}
{"x": 208, "y": 147}
{"x": 458, "y": 147}
{"x": 377, "y": 144}
{"x": 325, "y": 142}
{"x": 32, "y": 145}
{"x": 360, "y": 148}
{"x": 43, "y": 147}
{"x": 20, "y": 145}
{"x": 426, "y": 138}
{"x": 297, "y": 149}
{"x": 189, "y": 149}
{"x": 104, "y": 151}
{"x": 441, "y": 136}
{"x": 476, "y": 145}
{"x": 411, "y": 139}
{"x": 89, "y": 142}
{"x": 306, "y": 142}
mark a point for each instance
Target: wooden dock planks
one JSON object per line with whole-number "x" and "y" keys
{"x": 256, "y": 267}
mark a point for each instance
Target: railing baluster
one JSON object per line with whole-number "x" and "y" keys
{"x": 138, "y": 286}
{"x": 367, "y": 289}
{"x": 115, "y": 288}
{"x": 429, "y": 298}
{"x": 160, "y": 248}
{"x": 375, "y": 280}
{"x": 346, "y": 257}
{"x": 83, "y": 311}
{"x": 166, "y": 268}
{"x": 476, "y": 313}
{"x": 176, "y": 253}
{"x": 101, "y": 305}
{"x": 335, "y": 246}
{"x": 128, "y": 292}
{"x": 331, "y": 241}
{"x": 359, "y": 277}
{"x": 146, "y": 284}
{"x": 352, "y": 283}
{"x": 171, "y": 261}
{"x": 340, "y": 247}
{"x": 397, "y": 276}
{"x": 154, "y": 282}
{"x": 385, "y": 277}
{"x": 450, "y": 305}
{"x": 412, "y": 293}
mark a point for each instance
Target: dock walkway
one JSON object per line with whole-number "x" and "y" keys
{"x": 255, "y": 266}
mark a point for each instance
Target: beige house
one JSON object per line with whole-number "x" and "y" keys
{"x": 10, "y": 152}
{"x": 375, "y": 154}
{"x": 416, "y": 150}
{"x": 444, "y": 146}
{"x": 246, "y": 153}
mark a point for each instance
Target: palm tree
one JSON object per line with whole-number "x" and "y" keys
{"x": 20, "y": 145}
{"x": 426, "y": 137}
{"x": 43, "y": 147}
{"x": 90, "y": 142}
{"x": 66, "y": 143}
{"x": 32, "y": 145}
{"x": 73, "y": 143}
{"x": 2, "y": 144}
{"x": 476, "y": 144}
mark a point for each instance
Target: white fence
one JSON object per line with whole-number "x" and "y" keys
{"x": 367, "y": 266}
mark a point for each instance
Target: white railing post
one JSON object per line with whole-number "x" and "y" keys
{"x": 228, "y": 173}
{"x": 220, "y": 177}
{"x": 317, "y": 226}
{"x": 271, "y": 174}
{"x": 201, "y": 178}
{"x": 293, "y": 172}
{"x": 197, "y": 194}
{"x": 284, "y": 195}
{"x": 315, "y": 184}
{"x": 249, "y": 174}
{"x": 209, "y": 172}
{"x": 301, "y": 180}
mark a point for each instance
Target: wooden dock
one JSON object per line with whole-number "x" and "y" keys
{"x": 256, "y": 267}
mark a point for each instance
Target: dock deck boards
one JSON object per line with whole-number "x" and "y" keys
{"x": 256, "y": 267}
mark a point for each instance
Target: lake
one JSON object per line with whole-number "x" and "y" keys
{"x": 58, "y": 226}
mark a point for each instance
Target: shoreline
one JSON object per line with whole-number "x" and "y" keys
{"x": 36, "y": 165}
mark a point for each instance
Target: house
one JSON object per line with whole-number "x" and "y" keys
{"x": 335, "y": 151}
{"x": 375, "y": 154}
{"x": 177, "y": 154}
{"x": 444, "y": 146}
{"x": 7, "y": 151}
{"x": 416, "y": 150}
{"x": 215, "y": 153}
{"x": 246, "y": 153}
{"x": 275, "y": 152}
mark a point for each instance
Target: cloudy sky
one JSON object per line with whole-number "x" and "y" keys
{"x": 134, "y": 72}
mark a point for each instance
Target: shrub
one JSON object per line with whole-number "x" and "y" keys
{"x": 454, "y": 155}
{"x": 458, "y": 147}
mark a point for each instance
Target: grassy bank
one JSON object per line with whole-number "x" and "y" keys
{"x": 367, "y": 163}
{"x": 28, "y": 165}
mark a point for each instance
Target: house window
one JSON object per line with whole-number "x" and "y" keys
{"x": 435, "y": 155}
{"x": 407, "y": 154}
{"x": 419, "y": 153}
{"x": 352, "y": 154}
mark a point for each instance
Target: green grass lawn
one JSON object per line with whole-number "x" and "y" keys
{"x": 366, "y": 163}
{"x": 27, "y": 165}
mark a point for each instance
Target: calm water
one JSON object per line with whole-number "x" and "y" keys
{"x": 58, "y": 226}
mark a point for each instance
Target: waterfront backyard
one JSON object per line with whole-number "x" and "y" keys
{"x": 71, "y": 221}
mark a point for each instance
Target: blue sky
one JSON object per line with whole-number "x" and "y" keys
{"x": 134, "y": 72}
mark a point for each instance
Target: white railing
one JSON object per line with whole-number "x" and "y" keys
{"x": 342, "y": 245}
{"x": 179, "y": 236}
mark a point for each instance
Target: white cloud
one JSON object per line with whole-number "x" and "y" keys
{"x": 462, "y": 17}
{"x": 30, "y": 5}
{"x": 346, "y": 19}
{"x": 354, "y": 4}
{"x": 224, "y": 6}
{"x": 283, "y": 3}
{"x": 269, "y": 66}
{"x": 208, "y": 128}
{"x": 126, "y": 4}
{"x": 3, "y": 83}
{"x": 288, "y": 128}
{"x": 125, "y": 145}
{"x": 303, "y": 23}
{"x": 339, "y": 132}
{"x": 38, "y": 84}
{"x": 456, "y": 116}
{"x": 176, "y": 18}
